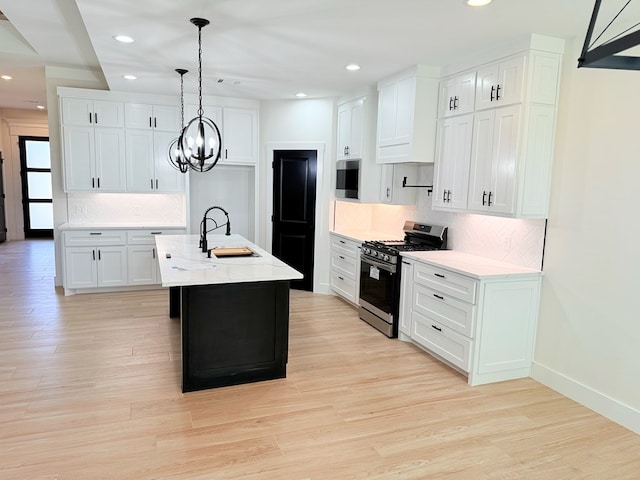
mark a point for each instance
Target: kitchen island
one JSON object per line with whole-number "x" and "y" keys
{"x": 234, "y": 311}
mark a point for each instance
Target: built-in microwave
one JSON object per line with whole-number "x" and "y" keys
{"x": 347, "y": 178}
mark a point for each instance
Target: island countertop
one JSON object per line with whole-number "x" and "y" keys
{"x": 187, "y": 265}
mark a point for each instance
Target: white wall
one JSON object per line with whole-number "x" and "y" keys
{"x": 589, "y": 327}
{"x": 296, "y": 124}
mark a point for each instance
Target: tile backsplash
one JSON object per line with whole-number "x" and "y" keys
{"x": 126, "y": 208}
{"x": 516, "y": 241}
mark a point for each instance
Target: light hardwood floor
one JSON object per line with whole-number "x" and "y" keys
{"x": 90, "y": 389}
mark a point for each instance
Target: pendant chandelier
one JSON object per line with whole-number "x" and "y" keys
{"x": 200, "y": 140}
{"x": 176, "y": 154}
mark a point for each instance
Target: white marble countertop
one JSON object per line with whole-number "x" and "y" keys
{"x": 189, "y": 266}
{"x": 364, "y": 235}
{"x": 118, "y": 226}
{"x": 471, "y": 265}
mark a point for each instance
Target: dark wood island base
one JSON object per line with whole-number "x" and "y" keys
{"x": 232, "y": 333}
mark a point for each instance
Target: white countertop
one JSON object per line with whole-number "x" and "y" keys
{"x": 189, "y": 266}
{"x": 118, "y": 226}
{"x": 471, "y": 265}
{"x": 364, "y": 235}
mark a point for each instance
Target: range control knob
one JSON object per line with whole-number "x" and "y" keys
{"x": 385, "y": 258}
{"x": 375, "y": 254}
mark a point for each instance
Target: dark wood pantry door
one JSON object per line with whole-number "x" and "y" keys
{"x": 294, "y": 211}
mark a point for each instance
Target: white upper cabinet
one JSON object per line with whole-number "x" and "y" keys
{"x": 457, "y": 94}
{"x": 239, "y": 136}
{"x": 407, "y": 111}
{"x": 501, "y": 83}
{"x": 153, "y": 117}
{"x": 451, "y": 175}
{"x": 97, "y": 113}
{"x": 350, "y": 130}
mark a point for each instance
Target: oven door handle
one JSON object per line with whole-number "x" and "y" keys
{"x": 380, "y": 265}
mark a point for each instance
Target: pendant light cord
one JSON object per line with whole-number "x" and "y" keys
{"x": 200, "y": 111}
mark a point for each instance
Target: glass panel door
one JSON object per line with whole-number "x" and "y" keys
{"x": 37, "y": 198}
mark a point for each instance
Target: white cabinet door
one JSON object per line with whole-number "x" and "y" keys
{"x": 494, "y": 158}
{"x": 501, "y": 83}
{"x": 350, "y": 130}
{"x": 94, "y": 159}
{"x": 140, "y": 161}
{"x": 138, "y": 115}
{"x": 81, "y": 111}
{"x": 240, "y": 135}
{"x": 167, "y": 118}
{"x": 406, "y": 297}
{"x": 110, "y": 170}
{"x": 392, "y": 190}
{"x": 167, "y": 178}
{"x": 79, "y": 158}
{"x": 457, "y": 95}
{"x": 142, "y": 265}
{"x": 80, "y": 267}
{"x": 451, "y": 178}
{"x": 112, "y": 266}
{"x": 396, "y": 111}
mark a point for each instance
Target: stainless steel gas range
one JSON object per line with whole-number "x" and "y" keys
{"x": 380, "y": 271}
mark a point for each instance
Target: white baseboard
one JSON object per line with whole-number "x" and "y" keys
{"x": 606, "y": 406}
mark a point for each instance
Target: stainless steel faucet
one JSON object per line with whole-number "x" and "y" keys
{"x": 203, "y": 226}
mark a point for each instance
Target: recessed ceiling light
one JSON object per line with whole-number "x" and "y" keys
{"x": 129, "y": 77}
{"x": 123, "y": 38}
{"x": 40, "y": 107}
{"x": 353, "y": 67}
{"x": 301, "y": 95}
{"x": 477, "y": 3}
{"x": 6, "y": 77}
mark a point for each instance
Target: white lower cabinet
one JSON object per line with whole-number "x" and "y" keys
{"x": 103, "y": 259}
{"x": 481, "y": 325}
{"x": 345, "y": 268}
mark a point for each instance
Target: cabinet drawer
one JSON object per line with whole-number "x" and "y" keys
{"x": 85, "y": 238}
{"x": 344, "y": 265}
{"x": 343, "y": 286}
{"x": 442, "y": 341}
{"x": 345, "y": 247}
{"x": 449, "y": 311}
{"x": 147, "y": 237}
{"x": 446, "y": 282}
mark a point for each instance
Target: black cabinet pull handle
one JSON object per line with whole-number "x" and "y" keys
{"x": 154, "y": 253}
{"x": 95, "y": 117}
{"x": 155, "y": 122}
{"x": 444, "y": 196}
{"x": 438, "y": 296}
{"x": 152, "y": 185}
{"x": 93, "y": 182}
{"x": 439, "y": 275}
{"x": 484, "y": 196}
{"x": 437, "y": 328}
{"x": 98, "y": 182}
{"x": 498, "y": 93}
{"x": 90, "y": 119}
{"x": 342, "y": 241}
{"x": 448, "y": 196}
{"x": 156, "y": 184}
{"x": 341, "y": 278}
{"x": 341, "y": 257}
{"x": 493, "y": 89}
{"x": 450, "y": 103}
{"x": 455, "y": 103}
{"x": 99, "y": 255}
{"x": 95, "y": 233}
{"x": 149, "y": 122}
{"x": 406, "y": 263}
{"x": 94, "y": 254}
{"x": 226, "y": 153}
{"x": 156, "y": 233}
{"x": 489, "y": 202}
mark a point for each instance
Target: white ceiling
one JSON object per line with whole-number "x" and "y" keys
{"x": 273, "y": 48}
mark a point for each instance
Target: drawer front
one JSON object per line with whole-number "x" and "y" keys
{"x": 446, "y": 282}
{"x": 344, "y": 265}
{"x": 147, "y": 237}
{"x": 88, "y": 238}
{"x": 449, "y": 311}
{"x": 345, "y": 247}
{"x": 343, "y": 286}
{"x": 442, "y": 341}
